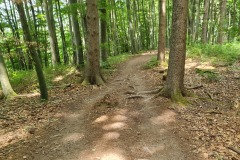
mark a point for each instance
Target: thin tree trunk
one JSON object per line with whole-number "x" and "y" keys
{"x": 64, "y": 44}
{"x": 48, "y": 6}
{"x": 196, "y": 26}
{"x": 77, "y": 35}
{"x": 205, "y": 22}
{"x": 28, "y": 40}
{"x": 131, "y": 32}
{"x": 162, "y": 30}
{"x": 223, "y": 6}
{"x": 104, "y": 31}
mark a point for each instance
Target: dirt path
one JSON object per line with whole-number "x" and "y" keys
{"x": 106, "y": 125}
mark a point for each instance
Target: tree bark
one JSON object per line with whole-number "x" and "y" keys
{"x": 92, "y": 72}
{"x": 221, "y": 21}
{"x": 31, "y": 47}
{"x": 4, "y": 80}
{"x": 64, "y": 44}
{"x": 174, "y": 86}
{"x": 196, "y": 26}
{"x": 131, "y": 31}
{"x": 48, "y": 6}
{"x": 205, "y": 22}
{"x": 162, "y": 30}
{"x": 77, "y": 35}
{"x": 103, "y": 31}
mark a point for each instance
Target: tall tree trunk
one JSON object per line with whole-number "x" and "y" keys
{"x": 77, "y": 35}
{"x": 212, "y": 21}
{"x": 146, "y": 26}
{"x": 4, "y": 80}
{"x": 174, "y": 86}
{"x": 191, "y": 20}
{"x": 234, "y": 20}
{"x": 162, "y": 30}
{"x": 15, "y": 32}
{"x": 131, "y": 32}
{"x": 153, "y": 20}
{"x": 48, "y": 7}
{"x": 205, "y": 22}
{"x": 92, "y": 72}
{"x": 104, "y": 31}
{"x": 64, "y": 44}
{"x": 29, "y": 42}
{"x": 223, "y": 6}
{"x": 196, "y": 26}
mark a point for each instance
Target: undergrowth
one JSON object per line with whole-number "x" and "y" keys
{"x": 113, "y": 61}
{"x": 210, "y": 76}
{"x": 26, "y": 81}
{"x": 225, "y": 54}
{"x": 152, "y": 63}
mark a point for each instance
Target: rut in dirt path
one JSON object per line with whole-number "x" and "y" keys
{"x": 108, "y": 126}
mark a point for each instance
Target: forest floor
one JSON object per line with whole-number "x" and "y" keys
{"x": 120, "y": 121}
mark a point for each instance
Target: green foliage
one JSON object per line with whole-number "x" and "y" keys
{"x": 152, "y": 63}
{"x": 210, "y": 76}
{"x": 27, "y": 80}
{"x": 227, "y": 54}
{"x": 113, "y": 61}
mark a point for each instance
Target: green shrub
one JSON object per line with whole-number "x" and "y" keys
{"x": 210, "y": 76}
{"x": 227, "y": 53}
{"x": 152, "y": 63}
{"x": 27, "y": 80}
{"x": 113, "y": 61}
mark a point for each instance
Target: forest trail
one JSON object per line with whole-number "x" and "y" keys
{"x": 108, "y": 125}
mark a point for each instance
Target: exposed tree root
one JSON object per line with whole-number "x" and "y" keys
{"x": 3, "y": 117}
{"x": 234, "y": 150}
{"x": 195, "y": 87}
{"x": 177, "y": 96}
{"x": 130, "y": 92}
{"x": 154, "y": 91}
{"x": 62, "y": 86}
{"x": 135, "y": 96}
{"x": 208, "y": 94}
{"x": 93, "y": 80}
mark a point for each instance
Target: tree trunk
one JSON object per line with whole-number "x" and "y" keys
{"x": 221, "y": 21}
{"x": 77, "y": 35}
{"x": 205, "y": 22}
{"x": 48, "y": 6}
{"x": 104, "y": 31}
{"x": 162, "y": 30}
{"x": 174, "y": 86}
{"x": 29, "y": 42}
{"x": 92, "y": 73}
{"x": 131, "y": 31}
{"x": 196, "y": 26}
{"x": 4, "y": 80}
{"x": 64, "y": 44}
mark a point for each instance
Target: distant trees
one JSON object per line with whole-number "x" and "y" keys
{"x": 215, "y": 20}
{"x": 125, "y": 26}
